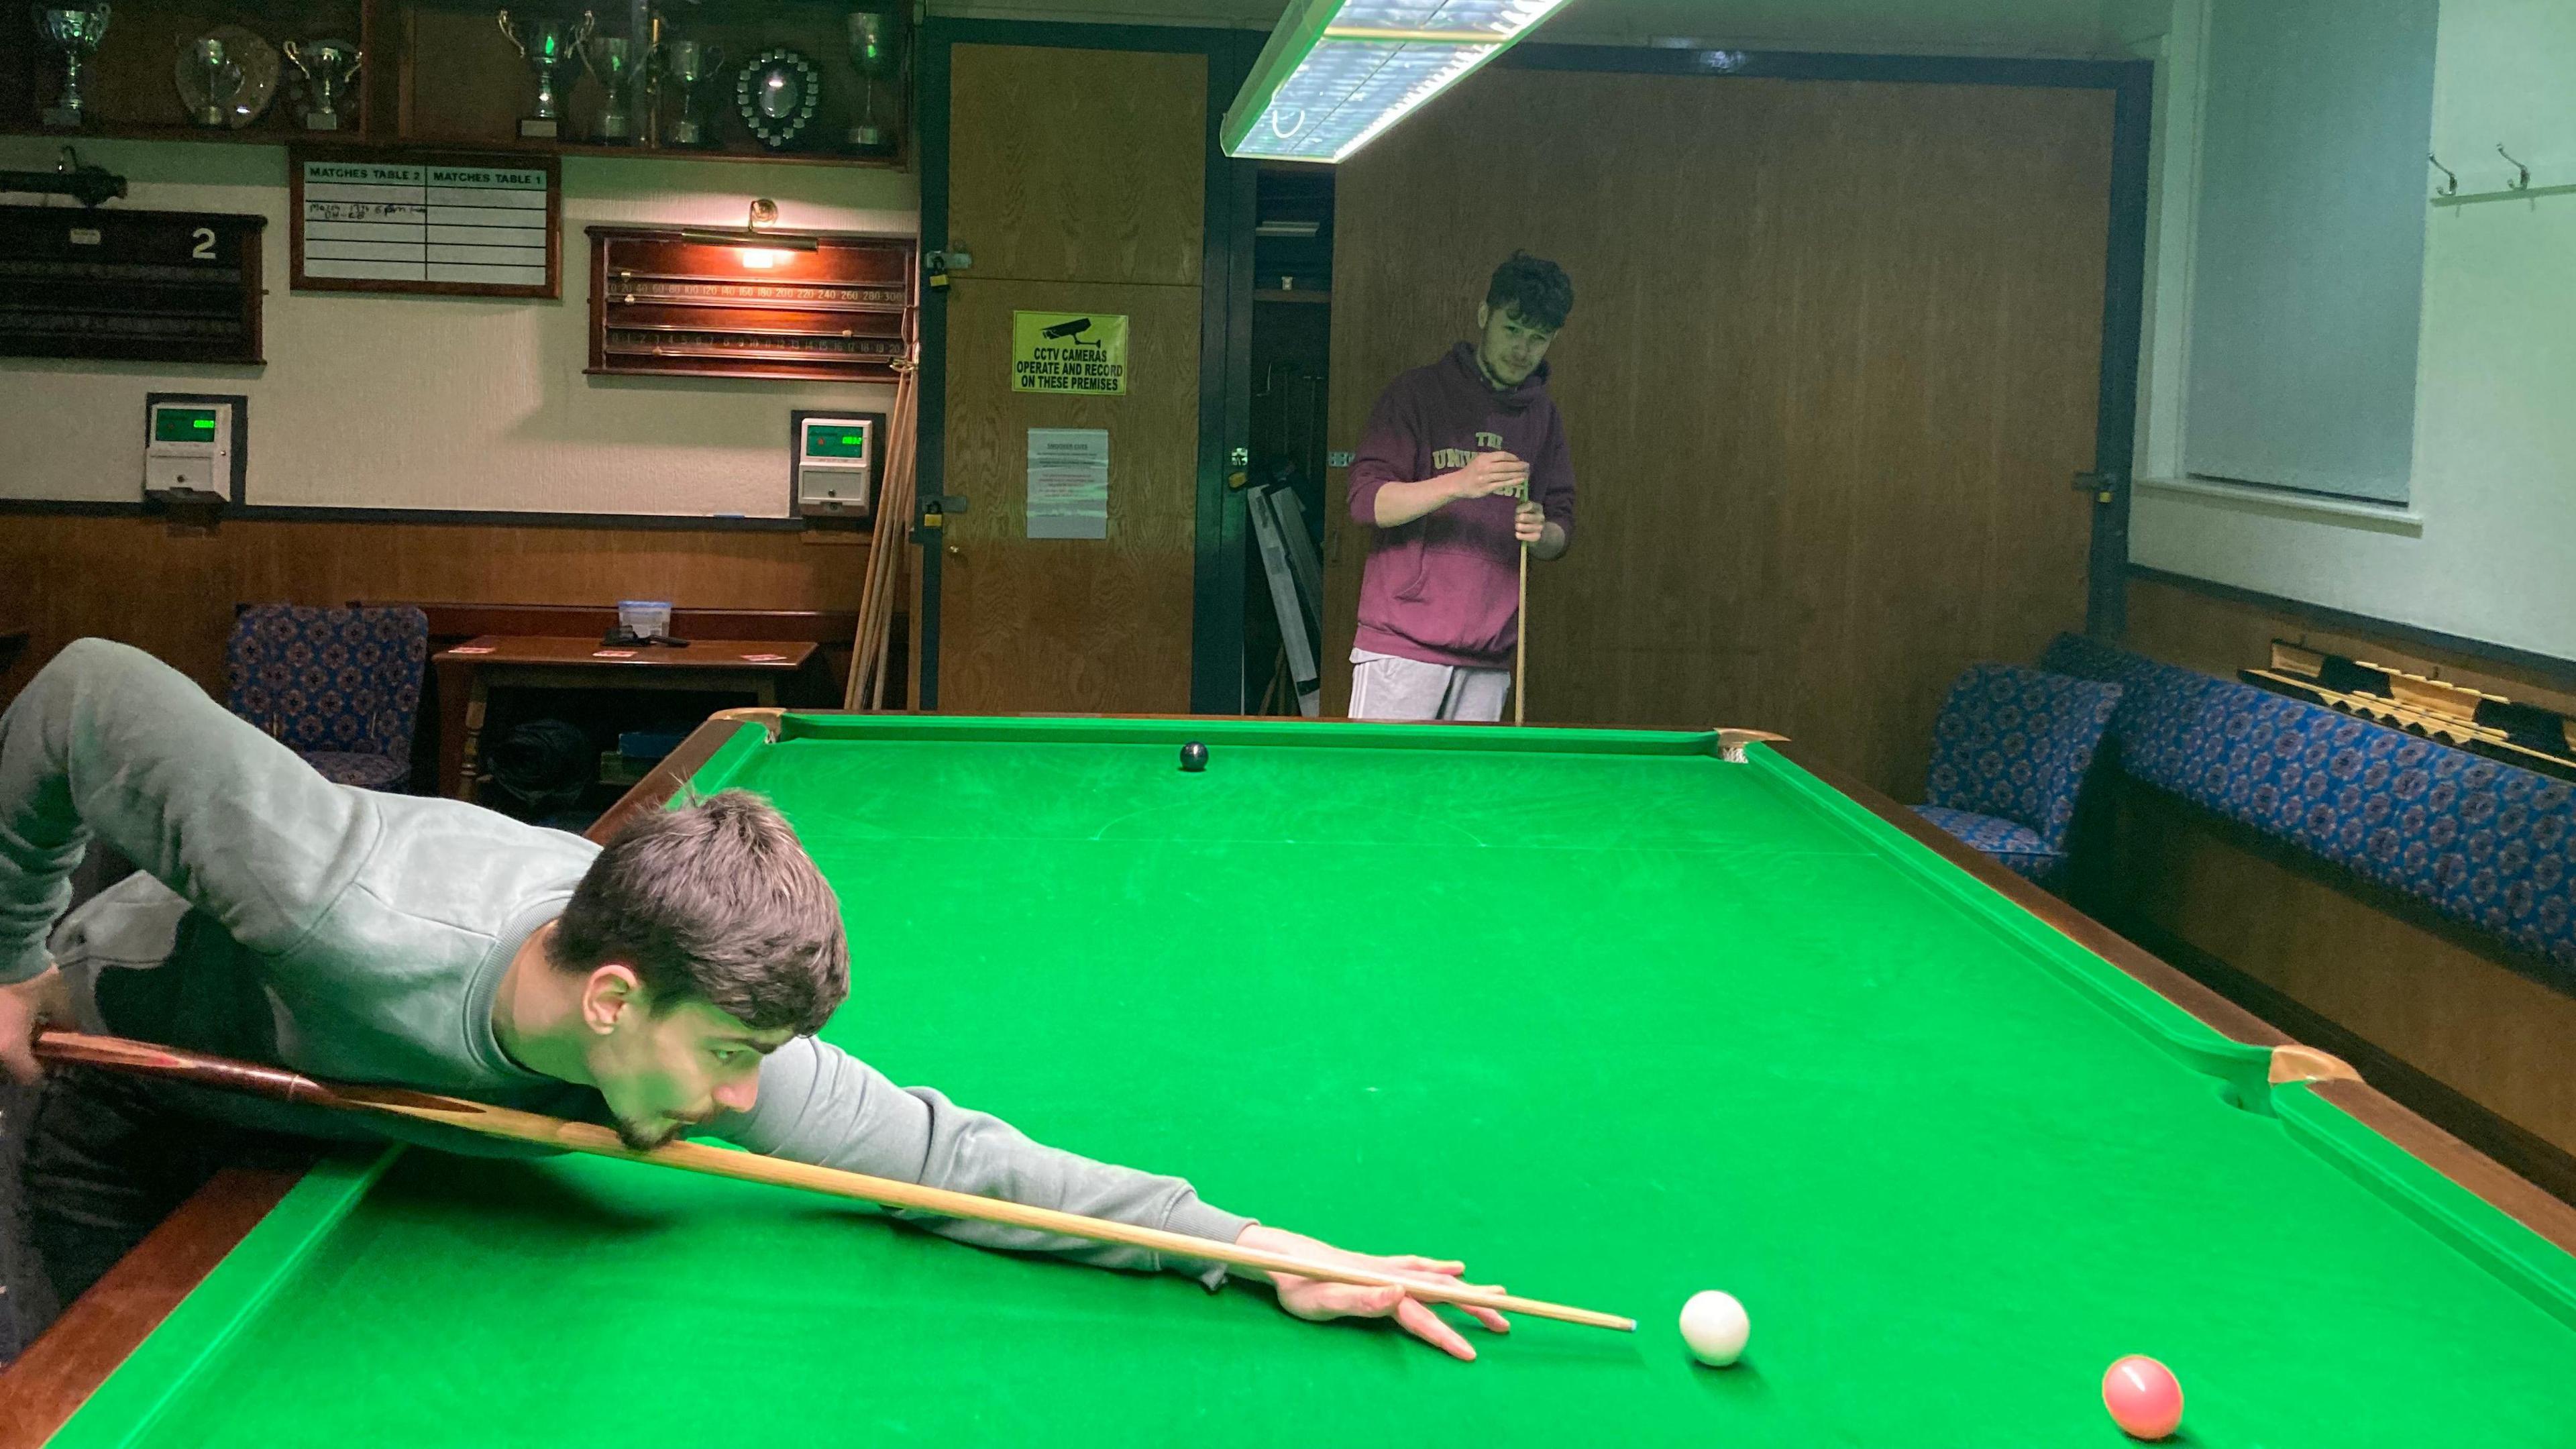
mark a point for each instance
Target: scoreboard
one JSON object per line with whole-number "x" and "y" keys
{"x": 144, "y": 286}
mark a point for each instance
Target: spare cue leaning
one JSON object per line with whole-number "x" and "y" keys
{"x": 224, "y": 1073}
{"x": 891, "y": 517}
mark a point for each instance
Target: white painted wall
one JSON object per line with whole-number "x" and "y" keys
{"x": 2486, "y": 547}
{"x": 441, "y": 402}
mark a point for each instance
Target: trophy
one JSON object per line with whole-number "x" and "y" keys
{"x": 775, "y": 93}
{"x": 216, "y": 81}
{"x": 690, "y": 66}
{"x": 548, "y": 46}
{"x": 75, "y": 32}
{"x": 874, "y": 55}
{"x": 328, "y": 66}
{"x": 612, "y": 61}
{"x": 231, "y": 90}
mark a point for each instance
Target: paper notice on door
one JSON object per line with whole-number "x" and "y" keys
{"x": 1068, "y": 482}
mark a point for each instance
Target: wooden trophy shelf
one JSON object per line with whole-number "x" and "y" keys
{"x": 439, "y": 75}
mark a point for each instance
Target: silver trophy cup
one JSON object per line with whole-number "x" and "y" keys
{"x": 218, "y": 80}
{"x": 76, "y": 32}
{"x": 873, "y": 56}
{"x": 327, "y": 67}
{"x": 689, "y": 68}
{"x": 550, "y": 47}
{"x": 612, "y": 62}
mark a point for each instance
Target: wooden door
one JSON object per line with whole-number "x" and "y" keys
{"x": 1077, "y": 182}
{"x": 1834, "y": 357}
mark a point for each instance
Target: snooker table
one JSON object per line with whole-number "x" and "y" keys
{"x": 1613, "y": 1015}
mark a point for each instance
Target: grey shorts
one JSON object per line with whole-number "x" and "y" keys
{"x": 1386, "y": 687}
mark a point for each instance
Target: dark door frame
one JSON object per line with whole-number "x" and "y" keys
{"x": 1225, "y": 335}
{"x": 1225, "y": 345}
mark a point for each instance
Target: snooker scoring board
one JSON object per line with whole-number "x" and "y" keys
{"x": 142, "y": 286}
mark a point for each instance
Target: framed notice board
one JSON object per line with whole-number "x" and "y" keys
{"x": 142, "y": 286}
{"x": 457, "y": 224}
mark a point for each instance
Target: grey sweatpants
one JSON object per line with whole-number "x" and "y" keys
{"x": 1385, "y": 687}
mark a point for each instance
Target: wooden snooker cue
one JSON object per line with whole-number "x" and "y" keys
{"x": 279, "y": 1084}
{"x": 869, "y": 650}
{"x": 1520, "y": 627}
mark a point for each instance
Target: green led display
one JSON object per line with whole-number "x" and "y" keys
{"x": 183, "y": 425}
{"x": 831, "y": 442}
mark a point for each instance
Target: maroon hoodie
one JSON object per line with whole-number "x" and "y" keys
{"x": 1445, "y": 588}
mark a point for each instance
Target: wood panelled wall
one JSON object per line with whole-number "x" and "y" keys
{"x": 1833, "y": 358}
{"x": 2203, "y": 630}
{"x": 2446, "y": 1002}
{"x": 130, "y": 579}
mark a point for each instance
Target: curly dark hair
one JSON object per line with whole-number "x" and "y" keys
{"x": 715, "y": 901}
{"x": 1536, "y": 288}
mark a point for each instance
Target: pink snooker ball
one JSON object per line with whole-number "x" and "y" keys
{"x": 2143, "y": 1397}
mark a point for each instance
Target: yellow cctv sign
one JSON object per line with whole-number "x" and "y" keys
{"x": 1068, "y": 352}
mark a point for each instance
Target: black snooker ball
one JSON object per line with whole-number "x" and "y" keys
{"x": 1194, "y": 757}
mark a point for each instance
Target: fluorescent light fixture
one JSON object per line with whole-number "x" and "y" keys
{"x": 1337, "y": 72}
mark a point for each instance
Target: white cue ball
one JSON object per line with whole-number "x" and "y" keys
{"x": 1714, "y": 1326}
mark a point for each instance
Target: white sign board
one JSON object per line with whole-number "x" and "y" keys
{"x": 1068, "y": 482}
{"x": 407, "y": 225}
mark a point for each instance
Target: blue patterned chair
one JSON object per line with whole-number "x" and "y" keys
{"x": 341, "y": 687}
{"x": 2009, "y": 755}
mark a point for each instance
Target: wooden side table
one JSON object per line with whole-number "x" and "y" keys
{"x": 468, "y": 673}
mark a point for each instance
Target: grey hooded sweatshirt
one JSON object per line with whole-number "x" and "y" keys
{"x": 360, "y": 936}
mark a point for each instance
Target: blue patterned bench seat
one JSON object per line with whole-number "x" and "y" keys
{"x": 2483, "y": 842}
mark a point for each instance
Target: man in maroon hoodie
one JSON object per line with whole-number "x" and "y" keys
{"x": 1440, "y": 479}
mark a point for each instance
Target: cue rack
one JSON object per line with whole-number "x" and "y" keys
{"x": 829, "y": 306}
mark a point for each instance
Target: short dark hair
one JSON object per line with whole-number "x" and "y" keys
{"x": 1536, "y": 288}
{"x": 714, "y": 901}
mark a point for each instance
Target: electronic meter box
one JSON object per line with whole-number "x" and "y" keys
{"x": 188, "y": 449}
{"x": 838, "y": 456}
